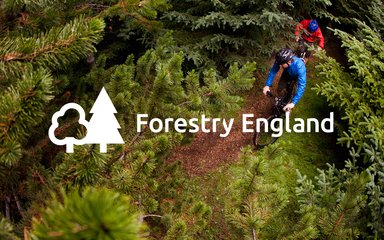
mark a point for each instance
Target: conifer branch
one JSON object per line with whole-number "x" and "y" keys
{"x": 24, "y": 105}
{"x": 55, "y": 49}
{"x": 127, "y": 148}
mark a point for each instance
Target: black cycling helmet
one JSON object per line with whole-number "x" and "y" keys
{"x": 283, "y": 56}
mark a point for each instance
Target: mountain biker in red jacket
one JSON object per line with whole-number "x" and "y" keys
{"x": 310, "y": 32}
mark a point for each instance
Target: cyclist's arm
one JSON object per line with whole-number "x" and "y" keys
{"x": 272, "y": 73}
{"x": 301, "y": 84}
{"x": 321, "y": 38}
{"x": 299, "y": 27}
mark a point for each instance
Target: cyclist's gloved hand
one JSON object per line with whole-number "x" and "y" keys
{"x": 289, "y": 107}
{"x": 265, "y": 90}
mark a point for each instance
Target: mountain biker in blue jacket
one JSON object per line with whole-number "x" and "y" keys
{"x": 294, "y": 70}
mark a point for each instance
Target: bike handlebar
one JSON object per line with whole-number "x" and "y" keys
{"x": 269, "y": 94}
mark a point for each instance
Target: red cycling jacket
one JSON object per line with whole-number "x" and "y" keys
{"x": 306, "y": 35}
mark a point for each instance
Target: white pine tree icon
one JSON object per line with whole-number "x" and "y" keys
{"x": 103, "y": 126}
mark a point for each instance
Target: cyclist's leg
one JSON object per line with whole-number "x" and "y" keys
{"x": 283, "y": 82}
{"x": 284, "y": 86}
{"x": 291, "y": 90}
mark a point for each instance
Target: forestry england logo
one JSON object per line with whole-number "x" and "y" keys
{"x": 102, "y": 128}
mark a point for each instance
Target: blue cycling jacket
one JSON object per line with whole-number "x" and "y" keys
{"x": 296, "y": 70}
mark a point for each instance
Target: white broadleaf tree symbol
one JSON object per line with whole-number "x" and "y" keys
{"x": 69, "y": 141}
{"x": 103, "y": 126}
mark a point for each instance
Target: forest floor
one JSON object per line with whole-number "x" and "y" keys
{"x": 208, "y": 151}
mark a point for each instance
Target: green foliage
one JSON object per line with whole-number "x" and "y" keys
{"x": 90, "y": 214}
{"x": 178, "y": 231}
{"x": 376, "y": 14}
{"x": 155, "y": 84}
{"x": 41, "y": 40}
{"x": 314, "y": 9}
{"x": 26, "y": 63}
{"x": 221, "y": 32}
{"x": 82, "y": 168}
{"x": 55, "y": 49}
{"x": 6, "y": 230}
{"x": 258, "y": 196}
{"x": 357, "y": 92}
{"x": 345, "y": 11}
{"x": 191, "y": 224}
{"x": 21, "y": 108}
{"x": 139, "y": 18}
{"x": 30, "y": 52}
{"x": 141, "y": 11}
{"x": 335, "y": 200}
{"x": 28, "y": 17}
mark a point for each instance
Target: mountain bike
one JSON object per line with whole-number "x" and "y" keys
{"x": 264, "y": 137}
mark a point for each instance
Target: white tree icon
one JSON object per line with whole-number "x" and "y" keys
{"x": 69, "y": 141}
{"x": 103, "y": 126}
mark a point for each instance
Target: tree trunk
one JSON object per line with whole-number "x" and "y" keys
{"x": 26, "y": 234}
{"x": 254, "y": 236}
{"x": 7, "y": 208}
{"x": 21, "y": 211}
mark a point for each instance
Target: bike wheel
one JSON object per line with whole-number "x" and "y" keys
{"x": 264, "y": 138}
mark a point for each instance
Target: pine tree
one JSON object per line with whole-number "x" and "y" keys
{"x": 6, "y": 230}
{"x": 89, "y": 214}
{"x": 342, "y": 13}
{"x": 310, "y": 9}
{"x": 257, "y": 198}
{"x": 26, "y": 65}
{"x": 335, "y": 200}
{"x": 40, "y": 43}
{"x": 221, "y": 32}
{"x": 357, "y": 92}
{"x": 191, "y": 224}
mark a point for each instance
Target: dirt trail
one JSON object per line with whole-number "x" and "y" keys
{"x": 209, "y": 151}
